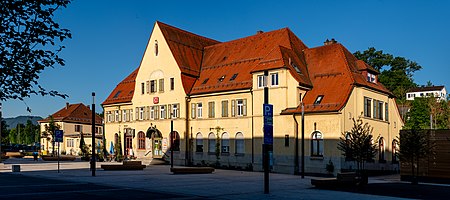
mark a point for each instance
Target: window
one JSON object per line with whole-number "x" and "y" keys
{"x": 225, "y": 108}
{"x": 147, "y": 86}
{"x": 239, "y": 143}
{"x": 78, "y": 128}
{"x": 141, "y": 140}
{"x": 371, "y": 77}
{"x": 394, "y": 151}
{"x": 221, "y": 78}
{"x": 199, "y": 110}
{"x": 152, "y": 86}
{"x": 70, "y": 142}
{"x": 175, "y": 110}
{"x": 381, "y": 150}
{"x": 116, "y": 114}
{"x": 131, "y": 114}
{"x": 386, "y": 112}
{"x": 141, "y": 113}
{"x": 380, "y": 110}
{"x": 274, "y": 79}
{"x": 296, "y": 68}
{"x": 211, "y": 143}
{"x": 172, "y": 83}
{"x": 261, "y": 81}
{"x": 211, "y": 109}
{"x": 156, "y": 48}
{"x": 142, "y": 88}
{"x": 152, "y": 112}
{"x": 98, "y": 130}
{"x": 199, "y": 143}
{"x": 241, "y": 107}
{"x": 225, "y": 143}
{"x": 233, "y": 77}
{"x": 286, "y": 140}
{"x": 162, "y": 112}
{"x": 367, "y": 107}
{"x": 161, "y": 85}
{"x": 317, "y": 144}
{"x": 205, "y": 81}
{"x": 117, "y": 94}
{"x": 124, "y": 115}
{"x": 193, "y": 110}
{"x": 109, "y": 116}
{"x": 318, "y": 99}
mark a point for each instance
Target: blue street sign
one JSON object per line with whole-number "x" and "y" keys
{"x": 268, "y": 123}
{"x": 59, "y": 135}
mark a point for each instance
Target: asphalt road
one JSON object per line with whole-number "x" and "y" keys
{"x": 16, "y": 186}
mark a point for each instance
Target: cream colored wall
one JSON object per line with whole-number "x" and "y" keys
{"x": 68, "y": 128}
{"x": 111, "y": 128}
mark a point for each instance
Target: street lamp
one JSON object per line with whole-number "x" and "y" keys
{"x": 93, "y": 135}
{"x": 171, "y": 141}
{"x": 1, "y": 154}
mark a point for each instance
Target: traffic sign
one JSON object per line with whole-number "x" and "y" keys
{"x": 268, "y": 123}
{"x": 59, "y": 135}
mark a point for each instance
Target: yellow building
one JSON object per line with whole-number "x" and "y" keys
{"x": 213, "y": 93}
{"x": 75, "y": 120}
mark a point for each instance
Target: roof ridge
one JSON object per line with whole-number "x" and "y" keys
{"x": 184, "y": 31}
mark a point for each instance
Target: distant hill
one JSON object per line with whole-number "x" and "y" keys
{"x": 12, "y": 122}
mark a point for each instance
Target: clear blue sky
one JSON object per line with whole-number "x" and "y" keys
{"x": 109, "y": 37}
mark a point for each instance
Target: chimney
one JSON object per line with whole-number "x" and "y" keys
{"x": 328, "y": 42}
{"x": 259, "y": 32}
{"x": 89, "y": 107}
{"x": 67, "y": 105}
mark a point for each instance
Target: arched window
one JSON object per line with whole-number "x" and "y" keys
{"x": 381, "y": 149}
{"x": 225, "y": 143}
{"x": 317, "y": 144}
{"x": 141, "y": 140}
{"x": 211, "y": 143}
{"x": 395, "y": 151}
{"x": 176, "y": 141}
{"x": 239, "y": 143}
{"x": 199, "y": 143}
{"x": 156, "y": 48}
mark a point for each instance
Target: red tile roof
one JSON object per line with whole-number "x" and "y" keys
{"x": 124, "y": 91}
{"x": 209, "y": 66}
{"x": 76, "y": 113}
{"x": 263, "y": 51}
{"x": 334, "y": 72}
{"x": 187, "y": 49}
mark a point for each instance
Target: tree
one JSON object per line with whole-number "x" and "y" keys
{"x": 49, "y": 131}
{"x": 418, "y": 116}
{"x": 415, "y": 144}
{"x": 5, "y": 132}
{"x": 396, "y": 72}
{"x": 357, "y": 144}
{"x": 29, "y": 43}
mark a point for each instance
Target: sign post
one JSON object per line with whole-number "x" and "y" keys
{"x": 59, "y": 134}
{"x": 268, "y": 143}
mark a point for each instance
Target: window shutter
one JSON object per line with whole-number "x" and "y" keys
{"x": 178, "y": 110}
{"x": 120, "y": 115}
{"x": 244, "y": 107}
{"x": 137, "y": 113}
{"x": 233, "y": 108}
{"x": 193, "y": 110}
{"x": 156, "y": 112}
{"x": 169, "y": 111}
{"x": 147, "y": 110}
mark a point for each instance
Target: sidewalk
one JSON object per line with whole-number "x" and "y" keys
{"x": 222, "y": 184}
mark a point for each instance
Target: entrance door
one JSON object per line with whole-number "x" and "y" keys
{"x": 128, "y": 146}
{"x": 157, "y": 147}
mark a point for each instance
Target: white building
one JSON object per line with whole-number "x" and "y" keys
{"x": 437, "y": 91}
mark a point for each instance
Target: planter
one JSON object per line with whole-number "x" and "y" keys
{"x": 15, "y": 154}
{"x": 61, "y": 158}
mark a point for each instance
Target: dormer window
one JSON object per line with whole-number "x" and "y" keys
{"x": 318, "y": 100}
{"x": 221, "y": 78}
{"x": 205, "y": 81}
{"x": 117, "y": 94}
{"x": 296, "y": 68}
{"x": 233, "y": 77}
{"x": 371, "y": 78}
{"x": 156, "y": 47}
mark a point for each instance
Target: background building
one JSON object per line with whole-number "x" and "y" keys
{"x": 435, "y": 91}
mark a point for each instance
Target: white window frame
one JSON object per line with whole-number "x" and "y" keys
{"x": 124, "y": 115}
{"x": 162, "y": 112}
{"x": 152, "y": 112}
{"x": 239, "y": 107}
{"x": 141, "y": 113}
{"x": 199, "y": 110}
{"x": 175, "y": 111}
{"x": 116, "y": 115}
{"x": 274, "y": 79}
{"x": 261, "y": 81}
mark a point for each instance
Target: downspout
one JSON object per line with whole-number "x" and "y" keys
{"x": 253, "y": 130}
{"x": 188, "y": 160}
{"x": 296, "y": 159}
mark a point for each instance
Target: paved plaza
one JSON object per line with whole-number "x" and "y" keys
{"x": 156, "y": 182}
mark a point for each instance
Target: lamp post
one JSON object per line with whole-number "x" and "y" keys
{"x": 1, "y": 154}
{"x": 303, "y": 139}
{"x": 171, "y": 141}
{"x": 93, "y": 135}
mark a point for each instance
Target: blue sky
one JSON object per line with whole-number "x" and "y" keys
{"x": 109, "y": 37}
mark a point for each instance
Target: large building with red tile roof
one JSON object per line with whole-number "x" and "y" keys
{"x": 75, "y": 120}
{"x": 213, "y": 94}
